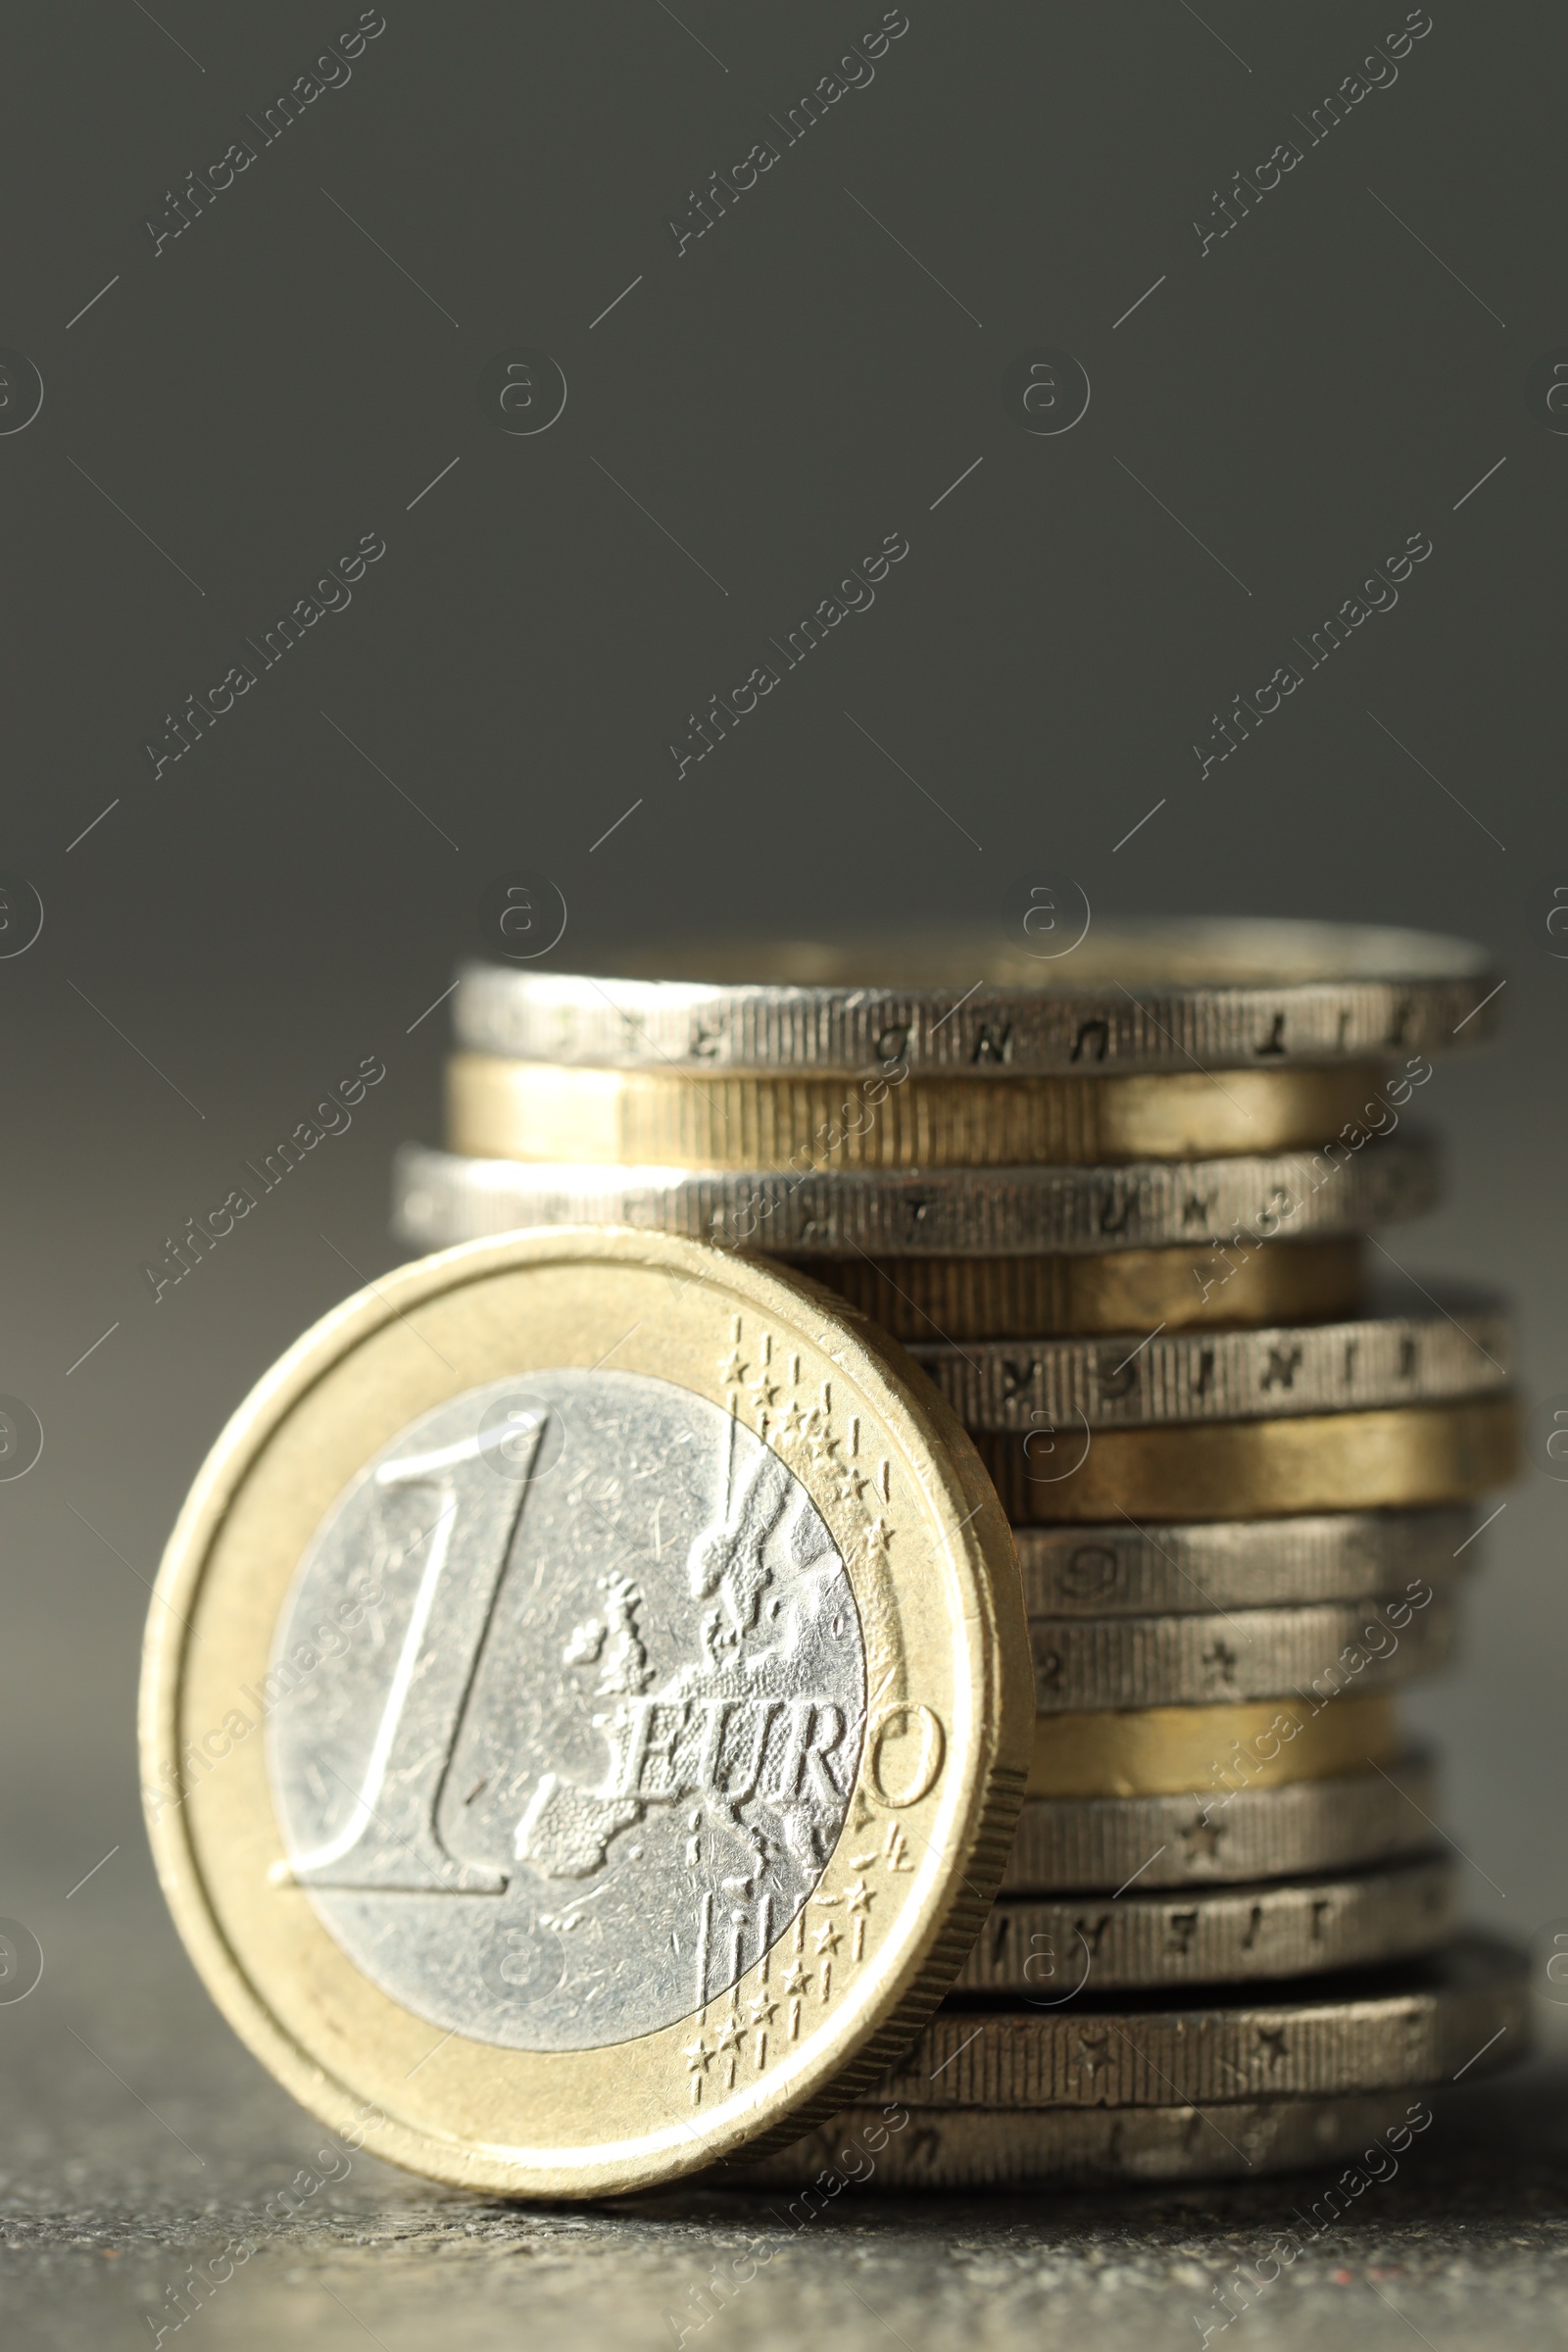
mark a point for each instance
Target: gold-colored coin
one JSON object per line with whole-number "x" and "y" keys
{"x": 1407, "y": 1456}
{"x": 503, "y": 1110}
{"x": 1130, "y": 1290}
{"x": 1174, "y": 1751}
{"x": 1006, "y": 2149}
{"x": 585, "y": 1712}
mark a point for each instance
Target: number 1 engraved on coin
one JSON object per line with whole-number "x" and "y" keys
{"x": 390, "y": 1838}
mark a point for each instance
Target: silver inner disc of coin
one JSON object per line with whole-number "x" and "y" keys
{"x": 564, "y": 1707}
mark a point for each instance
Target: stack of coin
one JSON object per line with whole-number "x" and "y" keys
{"x": 1118, "y": 1208}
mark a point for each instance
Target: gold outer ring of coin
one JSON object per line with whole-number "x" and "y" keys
{"x": 935, "y": 1578}
{"x": 1134, "y": 1289}
{"x": 503, "y": 1110}
{"x": 1080, "y": 1946}
{"x": 1434, "y": 2016}
{"x": 1394, "y": 1460}
{"x": 1165, "y": 994}
{"x": 1005, "y": 2148}
{"x": 1212, "y": 1752}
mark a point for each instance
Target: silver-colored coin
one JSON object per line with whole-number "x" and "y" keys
{"x": 958, "y": 2148}
{"x": 653, "y": 1736}
{"x": 441, "y": 1198}
{"x": 1398, "y": 1356}
{"x": 1163, "y": 1571}
{"x": 1419, "y": 2023}
{"x": 1083, "y": 1664}
{"x": 1351, "y": 1820}
{"x": 1075, "y": 1949}
{"x": 1131, "y": 995}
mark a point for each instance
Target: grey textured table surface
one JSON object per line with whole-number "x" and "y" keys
{"x": 142, "y": 2139}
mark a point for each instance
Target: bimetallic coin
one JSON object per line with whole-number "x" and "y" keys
{"x": 539, "y": 1110}
{"x": 1402, "y": 1459}
{"x": 1351, "y": 1820}
{"x": 1082, "y": 1947}
{"x": 943, "y": 1212}
{"x": 1118, "y": 1570}
{"x": 1217, "y": 1753}
{"x": 1240, "y": 1654}
{"x": 1417, "y": 2022}
{"x": 585, "y": 1710}
{"x": 958, "y": 2148}
{"x": 1167, "y": 996}
{"x": 1128, "y": 1290}
{"x": 1399, "y": 1355}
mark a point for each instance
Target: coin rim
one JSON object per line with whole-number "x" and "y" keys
{"x": 1082, "y": 1297}
{"x": 1399, "y": 1457}
{"x": 1235, "y": 1563}
{"x": 1435, "y": 1992}
{"x": 1167, "y": 1750}
{"x": 1157, "y": 1651}
{"x": 1066, "y": 1374}
{"x": 990, "y": 1212}
{"x": 1000, "y": 2151}
{"x": 1303, "y": 1815}
{"x": 626, "y": 1023}
{"x": 544, "y": 1113}
{"x": 1405, "y": 1879}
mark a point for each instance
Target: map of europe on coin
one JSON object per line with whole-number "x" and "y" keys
{"x": 584, "y": 1759}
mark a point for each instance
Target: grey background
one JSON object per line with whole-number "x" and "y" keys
{"x": 230, "y": 938}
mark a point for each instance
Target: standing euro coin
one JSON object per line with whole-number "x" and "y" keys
{"x": 585, "y": 1712}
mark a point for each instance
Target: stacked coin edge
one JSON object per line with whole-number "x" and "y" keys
{"x": 1182, "y": 1974}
